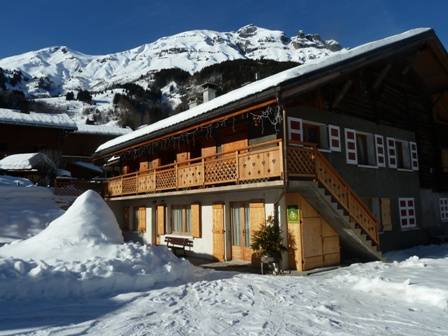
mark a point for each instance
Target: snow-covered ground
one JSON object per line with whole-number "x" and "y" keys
{"x": 77, "y": 277}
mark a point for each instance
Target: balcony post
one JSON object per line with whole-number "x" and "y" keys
{"x": 237, "y": 166}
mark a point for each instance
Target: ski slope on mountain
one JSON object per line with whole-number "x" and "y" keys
{"x": 64, "y": 69}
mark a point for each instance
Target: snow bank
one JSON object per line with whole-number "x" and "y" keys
{"x": 134, "y": 268}
{"x": 24, "y": 211}
{"x": 81, "y": 254}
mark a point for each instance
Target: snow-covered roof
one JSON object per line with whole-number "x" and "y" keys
{"x": 25, "y": 161}
{"x": 260, "y": 86}
{"x": 15, "y": 117}
{"x": 102, "y": 129}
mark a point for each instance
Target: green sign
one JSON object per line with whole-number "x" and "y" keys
{"x": 293, "y": 214}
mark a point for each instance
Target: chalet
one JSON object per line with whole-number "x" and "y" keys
{"x": 348, "y": 154}
{"x": 33, "y": 132}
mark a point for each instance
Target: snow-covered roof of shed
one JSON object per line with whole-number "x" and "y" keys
{"x": 260, "y": 86}
{"x": 102, "y": 129}
{"x": 25, "y": 161}
{"x": 15, "y": 117}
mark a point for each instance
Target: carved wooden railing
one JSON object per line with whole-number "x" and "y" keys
{"x": 307, "y": 161}
{"x": 253, "y": 163}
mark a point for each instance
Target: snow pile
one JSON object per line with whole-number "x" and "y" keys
{"x": 82, "y": 254}
{"x": 24, "y": 212}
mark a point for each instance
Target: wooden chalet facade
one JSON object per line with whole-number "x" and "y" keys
{"x": 347, "y": 155}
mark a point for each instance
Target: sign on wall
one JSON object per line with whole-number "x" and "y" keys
{"x": 293, "y": 214}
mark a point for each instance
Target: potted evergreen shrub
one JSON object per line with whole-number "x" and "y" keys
{"x": 267, "y": 242}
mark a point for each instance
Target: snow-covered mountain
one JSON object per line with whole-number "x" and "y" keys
{"x": 55, "y": 70}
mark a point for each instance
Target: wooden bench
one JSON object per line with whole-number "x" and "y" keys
{"x": 178, "y": 243}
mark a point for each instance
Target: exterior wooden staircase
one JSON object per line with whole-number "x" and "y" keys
{"x": 313, "y": 176}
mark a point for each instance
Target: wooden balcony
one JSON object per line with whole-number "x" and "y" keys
{"x": 255, "y": 163}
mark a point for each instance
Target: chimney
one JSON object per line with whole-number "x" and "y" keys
{"x": 209, "y": 92}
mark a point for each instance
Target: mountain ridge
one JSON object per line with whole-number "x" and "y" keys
{"x": 53, "y": 71}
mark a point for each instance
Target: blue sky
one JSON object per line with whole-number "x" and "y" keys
{"x": 104, "y": 26}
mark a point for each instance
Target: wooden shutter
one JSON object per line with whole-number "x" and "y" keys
{"x": 380, "y": 151}
{"x": 295, "y": 129}
{"x": 257, "y": 216}
{"x": 351, "y": 153}
{"x": 386, "y": 219}
{"x": 414, "y": 155}
{"x": 195, "y": 213}
{"x": 218, "y": 231}
{"x": 334, "y": 135}
{"x": 160, "y": 221}
{"x": 141, "y": 220}
{"x": 392, "y": 152}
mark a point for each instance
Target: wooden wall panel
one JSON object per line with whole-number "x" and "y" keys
{"x": 161, "y": 217}
{"x": 196, "y": 226}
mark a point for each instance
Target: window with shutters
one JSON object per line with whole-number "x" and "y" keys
{"x": 351, "y": 153}
{"x": 334, "y": 133}
{"x": 365, "y": 149}
{"x": 181, "y": 219}
{"x": 391, "y": 153}
{"x": 295, "y": 129}
{"x": 240, "y": 222}
{"x": 443, "y": 209}
{"x": 380, "y": 151}
{"x": 406, "y": 208}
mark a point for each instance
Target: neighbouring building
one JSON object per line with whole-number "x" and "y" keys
{"x": 348, "y": 154}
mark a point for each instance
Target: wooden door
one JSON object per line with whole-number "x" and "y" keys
{"x": 240, "y": 222}
{"x": 218, "y": 231}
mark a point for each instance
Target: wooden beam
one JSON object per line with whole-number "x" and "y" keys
{"x": 342, "y": 93}
{"x": 381, "y": 76}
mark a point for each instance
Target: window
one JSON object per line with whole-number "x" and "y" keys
{"x": 444, "y": 157}
{"x": 403, "y": 154}
{"x": 315, "y": 133}
{"x": 365, "y": 149}
{"x": 407, "y": 213}
{"x": 334, "y": 133}
{"x": 180, "y": 219}
{"x": 444, "y": 209}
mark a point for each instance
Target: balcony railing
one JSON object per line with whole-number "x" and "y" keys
{"x": 307, "y": 161}
{"x": 259, "y": 162}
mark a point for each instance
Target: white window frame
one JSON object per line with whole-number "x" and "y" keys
{"x": 380, "y": 157}
{"x": 348, "y": 150}
{"x": 337, "y": 138}
{"x": 292, "y": 130}
{"x": 391, "y": 152}
{"x": 443, "y": 204}
{"x": 414, "y": 155}
{"x": 407, "y": 213}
